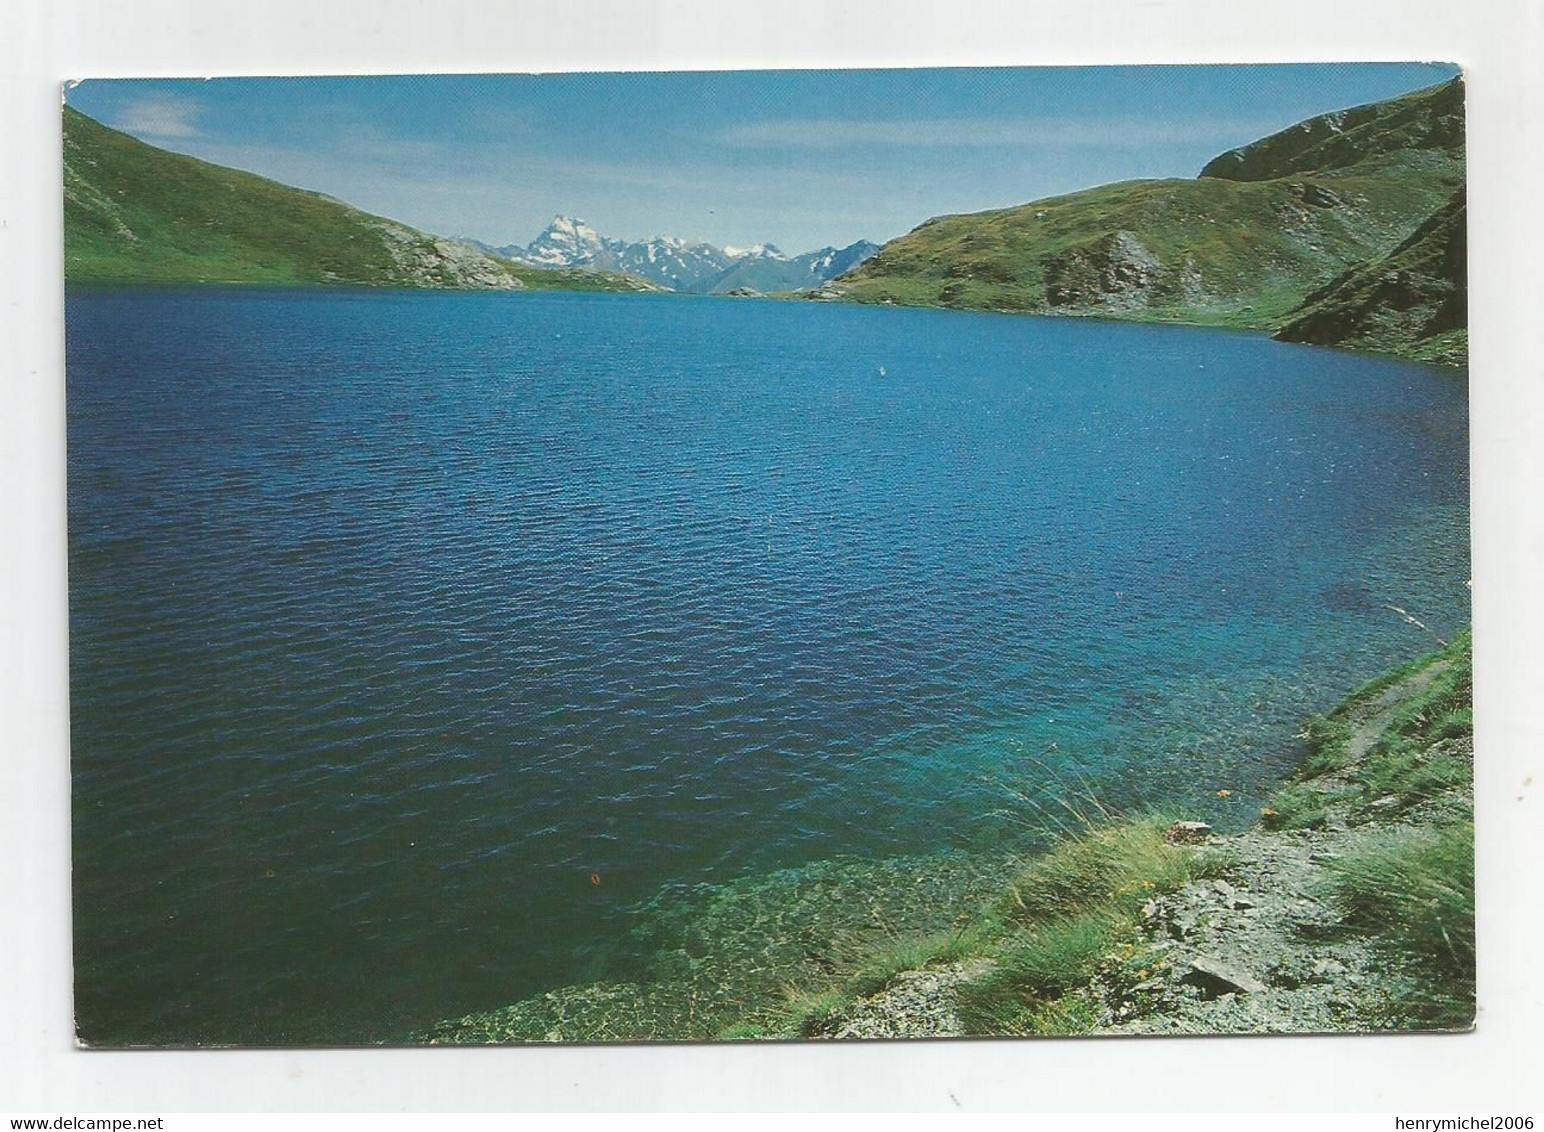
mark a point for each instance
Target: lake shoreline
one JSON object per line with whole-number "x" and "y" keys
{"x": 1264, "y": 331}
{"x": 1444, "y": 361}
{"x": 1151, "y": 924}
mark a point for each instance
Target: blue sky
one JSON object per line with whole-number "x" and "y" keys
{"x": 797, "y": 158}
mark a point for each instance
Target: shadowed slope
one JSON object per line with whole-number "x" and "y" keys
{"x": 1412, "y": 301}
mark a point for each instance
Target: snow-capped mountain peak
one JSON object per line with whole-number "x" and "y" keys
{"x": 755, "y": 251}
{"x": 566, "y": 242}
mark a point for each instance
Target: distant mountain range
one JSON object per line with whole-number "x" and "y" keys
{"x": 693, "y": 266}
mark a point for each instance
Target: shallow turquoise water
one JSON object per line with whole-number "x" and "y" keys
{"x": 397, "y": 619}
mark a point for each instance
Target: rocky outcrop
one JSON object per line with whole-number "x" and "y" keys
{"x": 1116, "y": 272}
{"x": 422, "y": 260}
{"x": 1266, "y": 948}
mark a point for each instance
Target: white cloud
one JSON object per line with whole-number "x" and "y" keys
{"x": 158, "y": 116}
{"x": 1103, "y": 133}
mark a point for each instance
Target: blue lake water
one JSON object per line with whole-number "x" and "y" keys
{"x": 399, "y": 619}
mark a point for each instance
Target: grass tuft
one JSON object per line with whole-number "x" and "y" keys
{"x": 881, "y": 968}
{"x": 1214, "y": 861}
{"x": 1297, "y": 807}
{"x": 1425, "y": 750}
{"x": 1415, "y": 894}
{"x": 818, "y": 1015}
{"x": 1063, "y": 955}
{"x": 741, "y": 1032}
{"x": 1075, "y": 913}
{"x": 1329, "y": 738}
{"x": 1119, "y": 866}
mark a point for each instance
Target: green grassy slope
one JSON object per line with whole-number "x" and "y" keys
{"x": 1412, "y": 301}
{"x": 1211, "y": 250}
{"x": 135, "y": 213}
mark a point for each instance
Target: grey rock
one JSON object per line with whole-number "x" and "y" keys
{"x": 1214, "y": 977}
{"x": 1184, "y": 925}
{"x": 1189, "y": 831}
{"x": 1319, "y": 196}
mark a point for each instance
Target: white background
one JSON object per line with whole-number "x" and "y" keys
{"x": 1498, "y": 42}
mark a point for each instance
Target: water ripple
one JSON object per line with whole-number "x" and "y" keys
{"x": 396, "y": 617}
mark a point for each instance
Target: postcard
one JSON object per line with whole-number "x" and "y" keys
{"x": 769, "y": 555}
